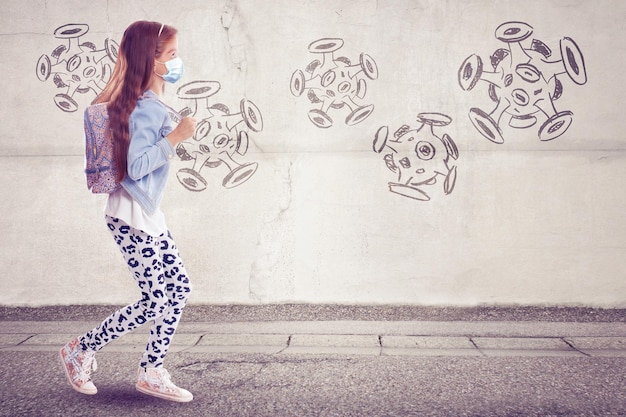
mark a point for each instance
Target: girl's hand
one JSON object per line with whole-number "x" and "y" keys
{"x": 185, "y": 129}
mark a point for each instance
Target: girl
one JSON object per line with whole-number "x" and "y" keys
{"x": 144, "y": 143}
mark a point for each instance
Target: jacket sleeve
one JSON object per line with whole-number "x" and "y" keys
{"x": 148, "y": 150}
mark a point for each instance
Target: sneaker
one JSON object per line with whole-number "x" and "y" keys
{"x": 78, "y": 365}
{"x": 157, "y": 382}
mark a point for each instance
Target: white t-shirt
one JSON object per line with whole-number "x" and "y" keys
{"x": 122, "y": 206}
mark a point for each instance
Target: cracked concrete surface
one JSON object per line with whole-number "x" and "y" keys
{"x": 236, "y": 35}
{"x": 270, "y": 274}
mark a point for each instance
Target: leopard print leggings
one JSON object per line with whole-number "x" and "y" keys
{"x": 161, "y": 276}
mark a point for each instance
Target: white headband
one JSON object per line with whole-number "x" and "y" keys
{"x": 161, "y": 30}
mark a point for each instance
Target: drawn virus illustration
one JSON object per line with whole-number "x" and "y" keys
{"x": 419, "y": 157}
{"x": 220, "y": 138}
{"x": 524, "y": 84}
{"x": 334, "y": 83}
{"x": 77, "y": 67}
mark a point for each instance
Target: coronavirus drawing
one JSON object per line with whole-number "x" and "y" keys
{"x": 419, "y": 157}
{"x": 334, "y": 83}
{"x": 220, "y": 138}
{"x": 77, "y": 66}
{"x": 524, "y": 84}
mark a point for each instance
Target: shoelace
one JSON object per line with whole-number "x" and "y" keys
{"x": 88, "y": 363}
{"x": 162, "y": 381}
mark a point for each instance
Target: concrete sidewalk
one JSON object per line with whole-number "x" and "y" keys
{"x": 332, "y": 361}
{"x": 351, "y": 337}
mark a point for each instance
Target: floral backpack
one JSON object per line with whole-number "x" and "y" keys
{"x": 100, "y": 167}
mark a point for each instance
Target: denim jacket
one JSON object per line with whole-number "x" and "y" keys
{"x": 149, "y": 152}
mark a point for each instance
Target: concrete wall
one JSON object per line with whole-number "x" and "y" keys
{"x": 525, "y": 222}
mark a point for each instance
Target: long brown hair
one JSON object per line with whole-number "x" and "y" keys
{"x": 142, "y": 42}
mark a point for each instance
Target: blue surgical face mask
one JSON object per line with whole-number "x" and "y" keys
{"x": 174, "y": 70}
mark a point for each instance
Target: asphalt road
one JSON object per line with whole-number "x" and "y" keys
{"x": 230, "y": 384}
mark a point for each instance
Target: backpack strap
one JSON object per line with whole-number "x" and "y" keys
{"x": 175, "y": 116}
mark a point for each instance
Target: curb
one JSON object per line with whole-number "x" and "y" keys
{"x": 381, "y": 338}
